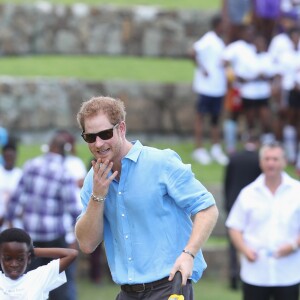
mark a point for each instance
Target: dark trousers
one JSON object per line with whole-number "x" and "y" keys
{"x": 234, "y": 266}
{"x": 95, "y": 271}
{"x": 161, "y": 292}
{"x": 59, "y": 293}
{"x": 252, "y": 292}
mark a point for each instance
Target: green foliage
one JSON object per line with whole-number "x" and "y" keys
{"x": 99, "y": 68}
{"x": 176, "y": 4}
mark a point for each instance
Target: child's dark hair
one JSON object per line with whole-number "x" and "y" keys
{"x": 16, "y": 235}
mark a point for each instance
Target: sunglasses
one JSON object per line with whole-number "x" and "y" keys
{"x": 103, "y": 135}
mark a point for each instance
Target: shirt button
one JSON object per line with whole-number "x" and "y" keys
{"x": 120, "y": 193}
{"x": 129, "y": 258}
{"x": 123, "y": 215}
{"x": 126, "y": 236}
{"x": 130, "y": 279}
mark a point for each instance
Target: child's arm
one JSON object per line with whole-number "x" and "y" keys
{"x": 66, "y": 255}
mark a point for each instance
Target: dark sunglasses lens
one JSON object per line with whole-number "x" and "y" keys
{"x": 103, "y": 135}
{"x": 89, "y": 138}
{"x": 106, "y": 134}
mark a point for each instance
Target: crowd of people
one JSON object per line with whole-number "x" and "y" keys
{"x": 43, "y": 198}
{"x": 45, "y": 202}
{"x": 247, "y": 70}
{"x": 247, "y": 79}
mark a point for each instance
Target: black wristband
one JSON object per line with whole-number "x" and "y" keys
{"x": 189, "y": 253}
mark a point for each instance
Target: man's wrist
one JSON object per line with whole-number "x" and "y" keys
{"x": 98, "y": 198}
{"x": 189, "y": 253}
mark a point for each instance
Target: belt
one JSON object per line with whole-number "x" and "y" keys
{"x": 141, "y": 287}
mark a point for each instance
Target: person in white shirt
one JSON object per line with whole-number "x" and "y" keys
{"x": 289, "y": 62}
{"x": 264, "y": 226}
{"x": 210, "y": 86}
{"x": 9, "y": 178}
{"x": 235, "y": 56}
{"x": 16, "y": 253}
{"x": 256, "y": 74}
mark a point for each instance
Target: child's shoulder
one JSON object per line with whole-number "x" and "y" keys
{"x": 52, "y": 266}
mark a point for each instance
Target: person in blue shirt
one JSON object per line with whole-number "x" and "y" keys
{"x": 3, "y": 141}
{"x": 145, "y": 204}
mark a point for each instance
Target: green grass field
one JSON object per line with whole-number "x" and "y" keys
{"x": 95, "y": 68}
{"x": 212, "y": 174}
{"x": 165, "y": 70}
{"x": 208, "y": 175}
{"x": 175, "y": 4}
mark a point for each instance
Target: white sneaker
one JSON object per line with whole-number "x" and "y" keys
{"x": 201, "y": 156}
{"x": 218, "y": 155}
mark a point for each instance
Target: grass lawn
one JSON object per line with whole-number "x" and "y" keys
{"x": 176, "y": 4}
{"x": 211, "y": 174}
{"x": 99, "y": 68}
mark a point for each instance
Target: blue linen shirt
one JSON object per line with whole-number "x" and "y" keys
{"x": 147, "y": 214}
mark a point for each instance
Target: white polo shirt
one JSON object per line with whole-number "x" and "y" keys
{"x": 279, "y": 44}
{"x": 241, "y": 55}
{"x": 259, "y": 89}
{"x": 249, "y": 64}
{"x": 209, "y": 51}
{"x": 268, "y": 221}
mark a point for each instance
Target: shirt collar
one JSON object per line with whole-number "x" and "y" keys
{"x": 135, "y": 151}
{"x": 286, "y": 180}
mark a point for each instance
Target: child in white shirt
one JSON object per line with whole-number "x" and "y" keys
{"x": 16, "y": 252}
